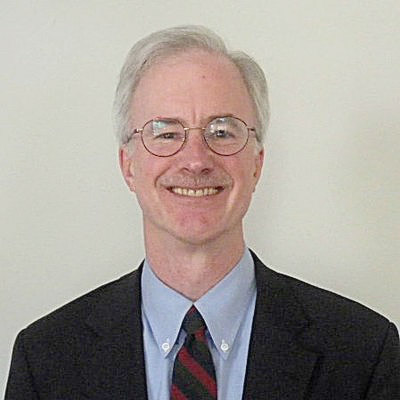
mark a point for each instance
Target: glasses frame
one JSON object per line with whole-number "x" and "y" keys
{"x": 186, "y": 130}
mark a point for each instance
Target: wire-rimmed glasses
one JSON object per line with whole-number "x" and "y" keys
{"x": 164, "y": 137}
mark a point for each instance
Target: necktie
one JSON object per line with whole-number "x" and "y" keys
{"x": 193, "y": 377}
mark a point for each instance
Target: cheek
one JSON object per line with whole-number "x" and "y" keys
{"x": 244, "y": 184}
{"x": 146, "y": 171}
{"x": 246, "y": 173}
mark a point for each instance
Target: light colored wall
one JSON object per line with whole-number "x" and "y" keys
{"x": 327, "y": 208}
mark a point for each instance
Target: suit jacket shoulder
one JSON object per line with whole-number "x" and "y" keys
{"x": 73, "y": 315}
{"x": 89, "y": 348}
{"x": 307, "y": 341}
{"x": 328, "y": 309}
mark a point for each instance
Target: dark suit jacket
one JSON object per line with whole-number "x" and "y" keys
{"x": 306, "y": 343}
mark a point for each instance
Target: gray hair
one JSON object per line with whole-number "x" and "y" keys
{"x": 171, "y": 41}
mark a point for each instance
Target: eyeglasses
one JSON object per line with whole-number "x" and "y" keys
{"x": 164, "y": 137}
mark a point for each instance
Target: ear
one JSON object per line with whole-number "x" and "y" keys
{"x": 126, "y": 165}
{"x": 259, "y": 162}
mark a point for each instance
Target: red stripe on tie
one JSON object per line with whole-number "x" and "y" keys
{"x": 177, "y": 394}
{"x": 200, "y": 336}
{"x": 197, "y": 370}
{"x": 192, "y": 310}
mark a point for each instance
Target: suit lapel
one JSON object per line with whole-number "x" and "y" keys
{"x": 114, "y": 363}
{"x": 278, "y": 366}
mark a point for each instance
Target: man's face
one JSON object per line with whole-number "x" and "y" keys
{"x": 192, "y": 88}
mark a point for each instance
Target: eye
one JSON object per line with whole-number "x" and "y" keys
{"x": 222, "y": 133}
{"x": 166, "y": 136}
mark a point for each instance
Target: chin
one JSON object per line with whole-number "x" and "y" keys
{"x": 198, "y": 235}
{"x": 196, "y": 241}
{"x": 191, "y": 229}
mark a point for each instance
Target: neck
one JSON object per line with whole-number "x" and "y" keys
{"x": 193, "y": 269}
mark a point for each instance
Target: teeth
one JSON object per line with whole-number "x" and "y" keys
{"x": 195, "y": 192}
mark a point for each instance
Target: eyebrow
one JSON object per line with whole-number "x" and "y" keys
{"x": 211, "y": 117}
{"x": 208, "y": 119}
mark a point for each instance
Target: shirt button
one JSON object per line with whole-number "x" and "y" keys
{"x": 224, "y": 346}
{"x": 165, "y": 346}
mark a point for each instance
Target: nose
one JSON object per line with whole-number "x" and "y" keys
{"x": 195, "y": 156}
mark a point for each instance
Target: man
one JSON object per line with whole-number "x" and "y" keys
{"x": 202, "y": 316}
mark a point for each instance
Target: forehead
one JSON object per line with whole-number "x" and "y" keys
{"x": 191, "y": 86}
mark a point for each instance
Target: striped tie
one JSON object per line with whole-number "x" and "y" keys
{"x": 193, "y": 377}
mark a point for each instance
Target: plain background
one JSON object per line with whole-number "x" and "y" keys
{"x": 326, "y": 209}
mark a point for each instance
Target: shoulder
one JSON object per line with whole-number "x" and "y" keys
{"x": 51, "y": 353}
{"x": 71, "y": 318}
{"x": 327, "y": 308}
{"x": 333, "y": 316}
{"x": 349, "y": 340}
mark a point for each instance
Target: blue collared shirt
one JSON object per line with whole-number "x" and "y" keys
{"x": 227, "y": 309}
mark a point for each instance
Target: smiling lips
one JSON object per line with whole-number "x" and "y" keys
{"x": 196, "y": 186}
{"x": 184, "y": 191}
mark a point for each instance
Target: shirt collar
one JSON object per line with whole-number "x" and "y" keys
{"x": 223, "y": 307}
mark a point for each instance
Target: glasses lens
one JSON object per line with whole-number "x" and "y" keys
{"x": 163, "y": 137}
{"x": 226, "y": 135}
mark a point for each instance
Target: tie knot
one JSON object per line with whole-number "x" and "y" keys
{"x": 193, "y": 322}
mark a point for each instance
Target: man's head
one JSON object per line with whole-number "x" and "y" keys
{"x": 169, "y": 42}
{"x": 194, "y": 195}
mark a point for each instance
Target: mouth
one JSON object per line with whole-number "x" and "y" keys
{"x": 196, "y": 192}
